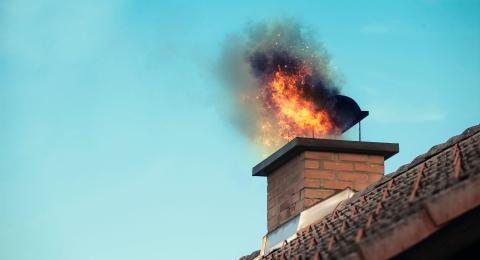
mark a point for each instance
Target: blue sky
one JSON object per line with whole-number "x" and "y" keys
{"x": 113, "y": 137}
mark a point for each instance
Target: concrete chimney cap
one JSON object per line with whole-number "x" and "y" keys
{"x": 301, "y": 144}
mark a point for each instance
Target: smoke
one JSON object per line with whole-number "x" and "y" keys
{"x": 250, "y": 60}
{"x": 288, "y": 45}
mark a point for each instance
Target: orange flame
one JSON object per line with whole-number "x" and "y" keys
{"x": 288, "y": 113}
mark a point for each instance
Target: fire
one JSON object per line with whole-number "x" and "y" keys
{"x": 283, "y": 85}
{"x": 288, "y": 112}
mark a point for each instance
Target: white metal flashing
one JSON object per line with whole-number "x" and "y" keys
{"x": 288, "y": 230}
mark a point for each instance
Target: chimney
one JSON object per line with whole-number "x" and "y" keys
{"x": 306, "y": 171}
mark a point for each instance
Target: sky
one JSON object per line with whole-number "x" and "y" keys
{"x": 113, "y": 138}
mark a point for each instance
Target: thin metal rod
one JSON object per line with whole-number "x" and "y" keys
{"x": 360, "y": 131}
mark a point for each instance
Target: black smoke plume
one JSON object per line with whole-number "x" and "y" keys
{"x": 250, "y": 60}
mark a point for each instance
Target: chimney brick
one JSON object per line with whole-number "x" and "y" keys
{"x": 312, "y": 177}
{"x": 305, "y": 177}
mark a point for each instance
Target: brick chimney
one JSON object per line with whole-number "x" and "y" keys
{"x": 306, "y": 171}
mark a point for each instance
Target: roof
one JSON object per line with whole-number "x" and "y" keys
{"x": 399, "y": 211}
{"x": 251, "y": 256}
{"x": 301, "y": 144}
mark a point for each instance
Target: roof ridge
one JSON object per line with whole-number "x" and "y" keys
{"x": 436, "y": 149}
{"x": 432, "y": 152}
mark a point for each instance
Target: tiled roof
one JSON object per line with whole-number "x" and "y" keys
{"x": 401, "y": 209}
{"x": 251, "y": 256}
